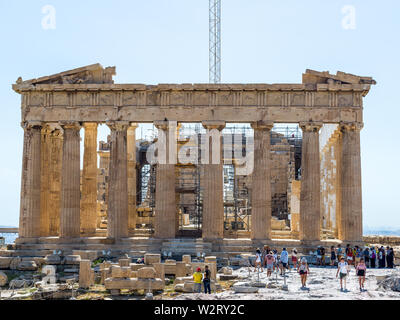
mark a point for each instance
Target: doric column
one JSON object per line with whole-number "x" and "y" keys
{"x": 310, "y": 206}
{"x": 351, "y": 215}
{"x": 54, "y": 172}
{"x": 70, "y": 181}
{"x": 45, "y": 181}
{"x": 261, "y": 182}
{"x": 131, "y": 149}
{"x": 29, "y": 219}
{"x": 213, "y": 193}
{"x": 89, "y": 180}
{"x": 117, "y": 225}
{"x": 165, "y": 211}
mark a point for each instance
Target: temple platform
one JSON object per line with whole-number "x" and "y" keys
{"x": 138, "y": 246}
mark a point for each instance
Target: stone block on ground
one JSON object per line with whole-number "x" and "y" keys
{"x": 15, "y": 262}
{"x": 5, "y": 262}
{"x": 186, "y": 258}
{"x": 28, "y": 265}
{"x": 160, "y": 272}
{"x": 86, "y": 274}
{"x": 86, "y": 254}
{"x": 3, "y": 279}
{"x": 146, "y": 273}
{"x": 72, "y": 259}
{"x": 244, "y": 287}
{"x": 52, "y": 259}
{"x": 124, "y": 262}
{"x": 150, "y": 258}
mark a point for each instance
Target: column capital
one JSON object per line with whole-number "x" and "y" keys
{"x": 351, "y": 126}
{"x": 118, "y": 125}
{"x": 164, "y": 124}
{"x": 310, "y": 126}
{"x": 32, "y": 124}
{"x": 90, "y": 125}
{"x": 70, "y": 125}
{"x": 214, "y": 124}
{"x": 262, "y": 125}
{"x": 133, "y": 126}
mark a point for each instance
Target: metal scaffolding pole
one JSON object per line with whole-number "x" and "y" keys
{"x": 215, "y": 41}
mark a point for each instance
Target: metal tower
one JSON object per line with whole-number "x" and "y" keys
{"x": 215, "y": 41}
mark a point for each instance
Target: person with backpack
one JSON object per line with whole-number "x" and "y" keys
{"x": 361, "y": 270}
{"x": 207, "y": 280}
{"x": 343, "y": 271}
{"x": 303, "y": 270}
{"x": 284, "y": 260}
{"x": 372, "y": 256}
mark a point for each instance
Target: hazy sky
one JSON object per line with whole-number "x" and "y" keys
{"x": 166, "y": 41}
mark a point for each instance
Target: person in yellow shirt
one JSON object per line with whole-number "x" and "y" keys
{"x": 197, "y": 277}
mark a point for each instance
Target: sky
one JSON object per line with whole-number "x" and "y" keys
{"x": 166, "y": 41}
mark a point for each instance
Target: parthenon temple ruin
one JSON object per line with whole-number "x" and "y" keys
{"x": 279, "y": 164}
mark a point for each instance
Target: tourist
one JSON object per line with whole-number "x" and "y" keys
{"x": 197, "y": 278}
{"x": 381, "y": 257}
{"x": 294, "y": 258}
{"x": 303, "y": 270}
{"x": 366, "y": 256}
{"x": 322, "y": 250}
{"x": 333, "y": 256}
{"x": 276, "y": 259}
{"x": 270, "y": 260}
{"x": 357, "y": 256}
{"x": 361, "y": 270}
{"x": 319, "y": 255}
{"x": 339, "y": 252}
{"x": 390, "y": 257}
{"x": 207, "y": 280}
{"x": 349, "y": 254}
{"x": 372, "y": 256}
{"x": 284, "y": 260}
{"x": 266, "y": 251}
{"x": 343, "y": 271}
{"x": 257, "y": 264}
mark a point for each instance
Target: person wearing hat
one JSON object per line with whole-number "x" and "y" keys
{"x": 303, "y": 270}
{"x": 197, "y": 278}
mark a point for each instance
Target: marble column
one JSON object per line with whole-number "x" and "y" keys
{"x": 29, "y": 219}
{"x": 351, "y": 213}
{"x": 117, "y": 225}
{"x": 310, "y": 205}
{"x": 165, "y": 210}
{"x": 213, "y": 192}
{"x": 88, "y": 220}
{"x": 70, "y": 181}
{"x": 131, "y": 149}
{"x": 261, "y": 182}
{"x": 54, "y": 171}
{"x": 45, "y": 181}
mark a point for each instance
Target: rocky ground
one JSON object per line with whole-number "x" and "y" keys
{"x": 322, "y": 284}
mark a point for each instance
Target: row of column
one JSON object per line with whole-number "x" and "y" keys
{"x": 76, "y": 216}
